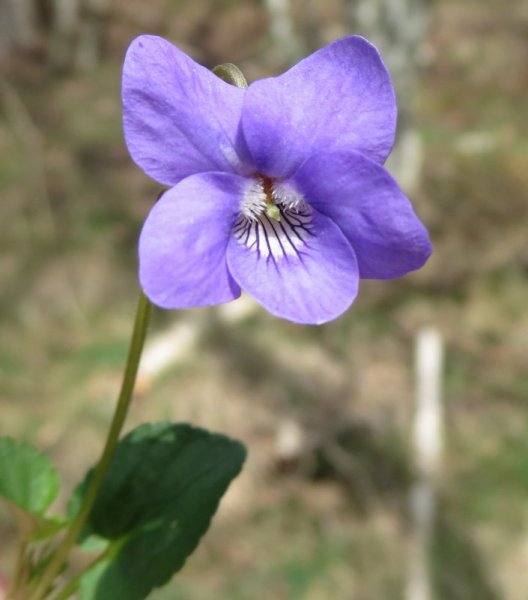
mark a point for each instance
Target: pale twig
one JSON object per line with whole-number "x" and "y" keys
{"x": 428, "y": 445}
{"x": 176, "y": 343}
{"x": 285, "y": 39}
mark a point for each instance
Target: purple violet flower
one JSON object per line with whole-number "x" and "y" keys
{"x": 277, "y": 189}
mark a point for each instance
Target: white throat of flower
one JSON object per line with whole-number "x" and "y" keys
{"x": 274, "y": 219}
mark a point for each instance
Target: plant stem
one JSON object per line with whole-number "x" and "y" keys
{"x": 123, "y": 403}
{"x": 20, "y": 570}
{"x": 74, "y": 584}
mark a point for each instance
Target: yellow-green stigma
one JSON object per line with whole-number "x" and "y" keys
{"x": 273, "y": 211}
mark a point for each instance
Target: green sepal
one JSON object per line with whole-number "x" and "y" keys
{"x": 231, "y": 74}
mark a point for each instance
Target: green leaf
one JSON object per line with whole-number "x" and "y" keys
{"x": 162, "y": 489}
{"x": 28, "y": 479}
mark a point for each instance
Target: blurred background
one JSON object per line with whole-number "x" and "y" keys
{"x": 323, "y": 508}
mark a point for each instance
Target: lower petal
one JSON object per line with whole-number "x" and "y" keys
{"x": 366, "y": 203}
{"x": 182, "y": 247}
{"x": 300, "y": 269}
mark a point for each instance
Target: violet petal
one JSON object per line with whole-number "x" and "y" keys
{"x": 311, "y": 285}
{"x": 182, "y": 247}
{"x": 370, "y": 209}
{"x": 178, "y": 117}
{"x": 342, "y": 91}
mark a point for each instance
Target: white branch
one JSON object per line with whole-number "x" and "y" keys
{"x": 427, "y": 448}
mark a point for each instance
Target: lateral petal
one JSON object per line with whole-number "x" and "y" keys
{"x": 183, "y": 243}
{"x": 366, "y": 203}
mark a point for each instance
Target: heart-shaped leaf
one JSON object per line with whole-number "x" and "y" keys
{"x": 162, "y": 489}
{"x": 28, "y": 478}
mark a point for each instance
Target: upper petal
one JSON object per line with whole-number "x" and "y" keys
{"x": 343, "y": 92}
{"x": 182, "y": 247}
{"x": 178, "y": 117}
{"x": 300, "y": 268}
{"x": 370, "y": 209}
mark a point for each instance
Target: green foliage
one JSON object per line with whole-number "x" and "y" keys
{"x": 162, "y": 490}
{"x": 27, "y": 477}
{"x": 29, "y": 483}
